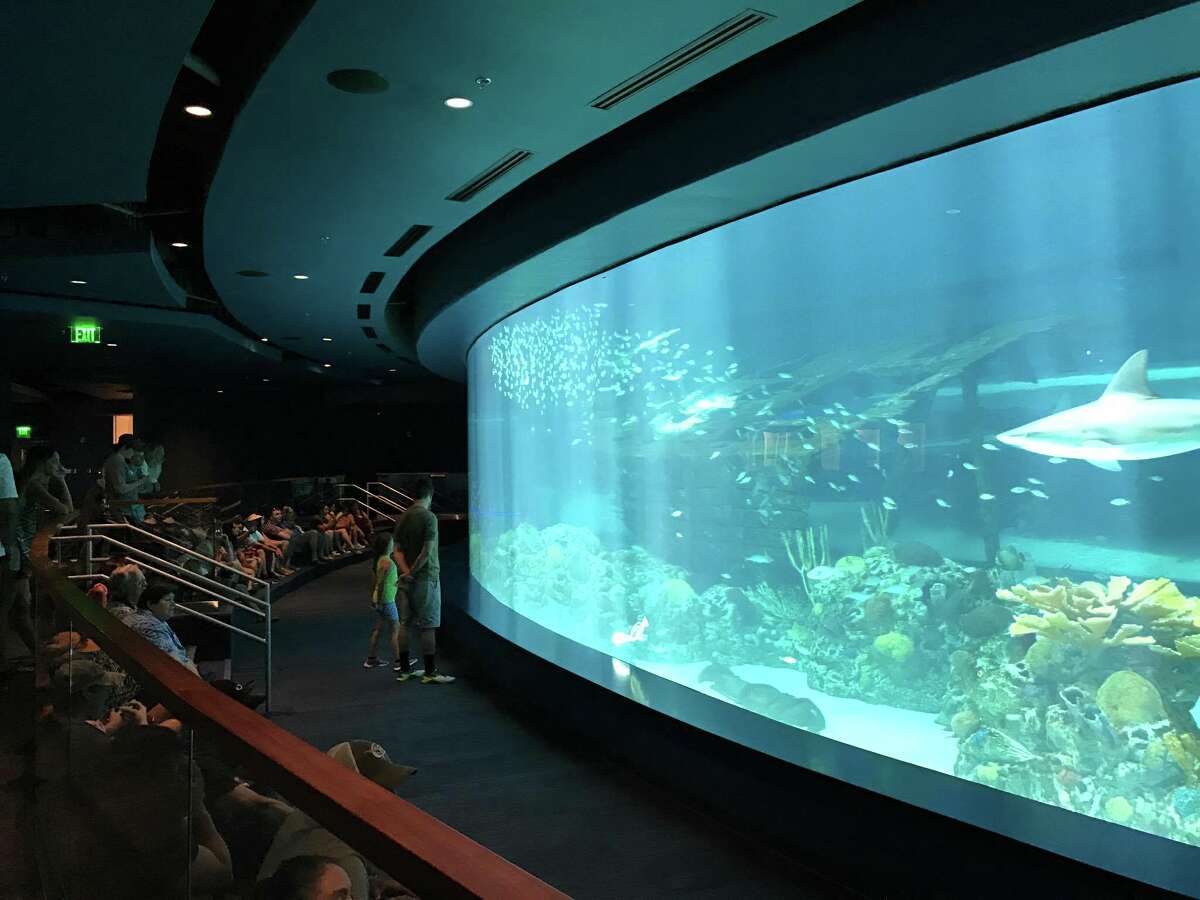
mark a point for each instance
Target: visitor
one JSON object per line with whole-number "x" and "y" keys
{"x": 155, "y": 457}
{"x": 301, "y": 836}
{"x": 345, "y": 522}
{"x": 319, "y": 542}
{"x": 293, "y": 538}
{"x": 327, "y": 522}
{"x": 10, "y": 566}
{"x": 307, "y": 878}
{"x": 74, "y": 735}
{"x": 416, "y": 552}
{"x": 277, "y": 549}
{"x": 155, "y": 608}
{"x": 121, "y": 488}
{"x": 126, "y": 584}
{"x": 41, "y": 485}
{"x": 385, "y": 578}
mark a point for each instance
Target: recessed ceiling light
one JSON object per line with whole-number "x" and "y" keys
{"x": 327, "y": 339}
{"x": 953, "y": 212}
{"x": 110, "y": 345}
{"x": 265, "y": 380}
{"x": 327, "y": 365}
{"x": 300, "y": 277}
{"x": 264, "y": 340}
{"x": 78, "y": 281}
{"x": 220, "y": 391}
{"x": 457, "y": 102}
{"x": 391, "y": 370}
{"x": 179, "y": 244}
{"x": 200, "y": 112}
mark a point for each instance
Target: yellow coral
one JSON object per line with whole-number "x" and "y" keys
{"x": 1083, "y": 614}
{"x": 1185, "y": 750}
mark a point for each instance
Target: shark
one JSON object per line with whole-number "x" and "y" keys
{"x": 1128, "y": 422}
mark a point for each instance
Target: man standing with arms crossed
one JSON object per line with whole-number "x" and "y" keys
{"x": 416, "y": 538}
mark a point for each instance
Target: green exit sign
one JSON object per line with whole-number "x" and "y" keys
{"x": 25, "y": 432}
{"x": 85, "y": 333}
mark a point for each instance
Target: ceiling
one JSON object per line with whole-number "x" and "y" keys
{"x": 307, "y": 179}
{"x": 320, "y": 182}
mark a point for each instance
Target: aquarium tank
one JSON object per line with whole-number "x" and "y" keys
{"x": 907, "y": 463}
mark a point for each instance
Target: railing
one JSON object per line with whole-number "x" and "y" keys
{"x": 396, "y": 491}
{"x": 258, "y": 607}
{"x": 423, "y": 853}
{"x": 397, "y": 507}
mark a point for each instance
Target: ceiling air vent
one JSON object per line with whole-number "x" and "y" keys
{"x": 369, "y": 332}
{"x": 495, "y": 171}
{"x": 688, "y": 53}
{"x": 371, "y": 283}
{"x": 407, "y": 239}
{"x": 364, "y": 310}
{"x": 384, "y": 347}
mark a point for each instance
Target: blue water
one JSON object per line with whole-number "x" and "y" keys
{"x": 641, "y": 441}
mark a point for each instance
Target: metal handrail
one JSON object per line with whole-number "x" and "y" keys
{"x": 180, "y": 547}
{"x": 137, "y": 550}
{"x": 368, "y": 506}
{"x": 264, "y": 613}
{"x": 369, "y": 494}
{"x": 383, "y": 484}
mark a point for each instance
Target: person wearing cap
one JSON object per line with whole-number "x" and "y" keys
{"x": 307, "y": 878}
{"x": 73, "y": 736}
{"x": 152, "y": 621}
{"x": 121, "y": 486}
{"x": 301, "y": 836}
{"x": 276, "y": 548}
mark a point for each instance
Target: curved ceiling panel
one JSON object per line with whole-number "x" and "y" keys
{"x": 86, "y": 84}
{"x": 962, "y": 80}
{"x": 323, "y": 182}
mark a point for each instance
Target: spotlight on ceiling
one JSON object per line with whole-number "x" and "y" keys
{"x": 457, "y": 102}
{"x": 300, "y": 277}
{"x": 220, "y": 391}
{"x": 78, "y": 281}
{"x": 391, "y": 370}
{"x": 327, "y": 365}
{"x": 110, "y": 345}
{"x": 264, "y": 340}
{"x": 327, "y": 339}
{"x": 180, "y": 244}
{"x": 200, "y": 112}
{"x": 265, "y": 380}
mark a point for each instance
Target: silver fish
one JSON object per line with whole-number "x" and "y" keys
{"x": 970, "y": 467}
{"x": 760, "y": 559}
{"x": 942, "y": 503}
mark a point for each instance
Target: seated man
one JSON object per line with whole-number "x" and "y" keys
{"x": 72, "y": 738}
{"x": 320, "y": 542}
{"x": 155, "y": 609}
{"x": 294, "y": 539}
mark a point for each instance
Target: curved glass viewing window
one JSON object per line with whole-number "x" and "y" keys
{"x": 907, "y": 463}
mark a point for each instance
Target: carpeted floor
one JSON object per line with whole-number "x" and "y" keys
{"x": 564, "y": 813}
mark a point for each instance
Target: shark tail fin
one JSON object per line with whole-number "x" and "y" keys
{"x": 1130, "y": 380}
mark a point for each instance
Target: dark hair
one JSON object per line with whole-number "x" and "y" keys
{"x": 295, "y": 878}
{"x": 125, "y": 440}
{"x": 34, "y": 457}
{"x": 422, "y": 487}
{"x": 153, "y": 594}
{"x": 380, "y": 545}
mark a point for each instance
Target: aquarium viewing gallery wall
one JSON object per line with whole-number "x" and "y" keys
{"x": 905, "y": 464}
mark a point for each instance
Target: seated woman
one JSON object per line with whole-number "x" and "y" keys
{"x": 126, "y": 584}
{"x": 345, "y": 521}
{"x": 155, "y": 608}
{"x": 272, "y": 547}
{"x": 327, "y": 522}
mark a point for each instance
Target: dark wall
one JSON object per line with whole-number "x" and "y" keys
{"x": 247, "y": 435}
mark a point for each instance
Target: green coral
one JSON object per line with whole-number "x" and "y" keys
{"x": 894, "y": 646}
{"x": 1118, "y": 809}
{"x": 1126, "y": 698}
{"x": 851, "y": 565}
{"x": 987, "y": 773}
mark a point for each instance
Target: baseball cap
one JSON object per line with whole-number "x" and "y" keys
{"x": 78, "y": 675}
{"x": 253, "y": 517}
{"x": 66, "y": 641}
{"x": 242, "y": 693}
{"x": 371, "y": 761}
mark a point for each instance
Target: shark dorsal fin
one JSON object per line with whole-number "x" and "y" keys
{"x": 1130, "y": 380}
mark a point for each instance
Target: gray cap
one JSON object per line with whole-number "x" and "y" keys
{"x": 79, "y": 674}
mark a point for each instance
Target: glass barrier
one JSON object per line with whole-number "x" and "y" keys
{"x": 153, "y": 782}
{"x": 900, "y": 464}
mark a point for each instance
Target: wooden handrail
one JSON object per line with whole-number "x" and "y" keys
{"x": 412, "y": 846}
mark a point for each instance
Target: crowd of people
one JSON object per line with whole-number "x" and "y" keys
{"x": 115, "y": 780}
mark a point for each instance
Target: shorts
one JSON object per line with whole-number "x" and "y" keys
{"x": 388, "y": 611}
{"x": 424, "y": 603}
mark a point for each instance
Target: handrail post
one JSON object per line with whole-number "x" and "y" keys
{"x": 267, "y": 651}
{"x": 88, "y": 549}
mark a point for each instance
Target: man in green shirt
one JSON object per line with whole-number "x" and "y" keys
{"x": 416, "y": 538}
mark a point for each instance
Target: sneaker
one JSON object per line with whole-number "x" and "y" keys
{"x": 374, "y": 663}
{"x": 436, "y": 678}
{"x": 406, "y": 676}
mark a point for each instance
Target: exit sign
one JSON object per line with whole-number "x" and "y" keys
{"x": 25, "y": 432}
{"x": 85, "y": 333}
